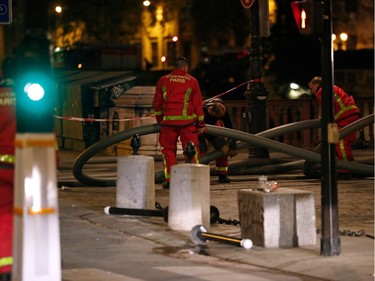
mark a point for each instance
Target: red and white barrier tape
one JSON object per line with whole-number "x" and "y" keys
{"x": 226, "y": 92}
{"x": 70, "y": 118}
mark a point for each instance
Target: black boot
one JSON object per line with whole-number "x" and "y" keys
{"x": 165, "y": 185}
{"x": 344, "y": 176}
{"x": 224, "y": 179}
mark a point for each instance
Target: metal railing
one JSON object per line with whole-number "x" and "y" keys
{"x": 280, "y": 112}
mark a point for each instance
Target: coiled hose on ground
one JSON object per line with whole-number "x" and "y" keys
{"x": 245, "y": 140}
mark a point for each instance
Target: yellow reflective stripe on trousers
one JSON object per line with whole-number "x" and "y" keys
{"x": 7, "y": 158}
{"x": 166, "y": 174}
{"x": 343, "y": 107}
{"x": 6, "y": 261}
{"x": 222, "y": 169}
{"x": 342, "y": 149}
{"x": 196, "y": 158}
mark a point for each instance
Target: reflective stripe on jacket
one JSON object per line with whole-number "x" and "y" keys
{"x": 6, "y": 158}
{"x": 6, "y": 261}
{"x": 178, "y": 100}
{"x": 344, "y": 104}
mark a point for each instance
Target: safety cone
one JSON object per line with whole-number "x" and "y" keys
{"x": 36, "y": 238}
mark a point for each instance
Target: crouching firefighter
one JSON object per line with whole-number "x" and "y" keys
{"x": 215, "y": 114}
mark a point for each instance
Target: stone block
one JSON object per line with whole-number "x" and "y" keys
{"x": 135, "y": 186}
{"x": 282, "y": 218}
{"x": 189, "y": 196}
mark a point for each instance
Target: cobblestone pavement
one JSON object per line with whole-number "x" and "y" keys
{"x": 356, "y": 213}
{"x": 356, "y": 200}
{"x": 355, "y": 196}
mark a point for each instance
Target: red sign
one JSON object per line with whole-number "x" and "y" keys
{"x": 247, "y": 3}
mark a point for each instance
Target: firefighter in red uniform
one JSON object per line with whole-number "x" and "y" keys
{"x": 346, "y": 112}
{"x": 215, "y": 114}
{"x": 7, "y": 151}
{"x": 178, "y": 108}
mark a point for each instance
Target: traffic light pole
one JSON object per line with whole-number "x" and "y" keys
{"x": 330, "y": 241}
{"x": 315, "y": 17}
{"x": 256, "y": 94}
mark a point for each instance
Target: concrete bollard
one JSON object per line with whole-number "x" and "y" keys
{"x": 135, "y": 187}
{"x": 282, "y": 218}
{"x": 189, "y": 196}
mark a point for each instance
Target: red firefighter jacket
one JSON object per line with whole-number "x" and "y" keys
{"x": 344, "y": 104}
{"x": 178, "y": 100}
{"x": 7, "y": 124}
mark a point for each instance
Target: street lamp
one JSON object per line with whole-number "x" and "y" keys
{"x": 159, "y": 14}
{"x": 334, "y": 43}
{"x": 58, "y": 9}
{"x": 343, "y": 38}
{"x": 256, "y": 94}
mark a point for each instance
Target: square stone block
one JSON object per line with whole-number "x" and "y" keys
{"x": 189, "y": 197}
{"x": 282, "y": 218}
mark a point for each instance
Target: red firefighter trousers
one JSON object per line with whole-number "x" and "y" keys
{"x": 168, "y": 138}
{"x": 344, "y": 146}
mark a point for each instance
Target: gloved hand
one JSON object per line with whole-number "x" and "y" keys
{"x": 232, "y": 148}
{"x": 225, "y": 149}
{"x": 232, "y": 144}
{"x": 159, "y": 118}
{"x": 218, "y": 143}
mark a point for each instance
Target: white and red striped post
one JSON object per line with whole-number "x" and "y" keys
{"x": 36, "y": 243}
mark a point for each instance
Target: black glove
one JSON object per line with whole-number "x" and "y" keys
{"x": 232, "y": 144}
{"x": 218, "y": 143}
{"x": 232, "y": 148}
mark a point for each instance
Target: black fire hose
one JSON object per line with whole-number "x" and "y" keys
{"x": 155, "y": 128}
{"x": 259, "y": 140}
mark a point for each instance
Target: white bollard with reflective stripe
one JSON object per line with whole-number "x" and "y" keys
{"x": 135, "y": 186}
{"x": 36, "y": 237}
{"x": 189, "y": 196}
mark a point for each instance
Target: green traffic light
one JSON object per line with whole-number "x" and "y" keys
{"x": 34, "y": 91}
{"x": 34, "y": 85}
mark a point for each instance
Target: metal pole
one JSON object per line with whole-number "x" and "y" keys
{"x": 330, "y": 241}
{"x": 199, "y": 236}
{"x": 256, "y": 94}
